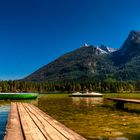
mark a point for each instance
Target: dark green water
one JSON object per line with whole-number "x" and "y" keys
{"x": 91, "y": 117}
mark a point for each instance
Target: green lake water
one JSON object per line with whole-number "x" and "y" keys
{"x": 91, "y": 117}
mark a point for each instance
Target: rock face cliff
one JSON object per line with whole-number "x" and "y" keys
{"x": 95, "y": 62}
{"x": 129, "y": 50}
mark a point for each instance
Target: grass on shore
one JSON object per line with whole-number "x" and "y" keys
{"x": 122, "y": 95}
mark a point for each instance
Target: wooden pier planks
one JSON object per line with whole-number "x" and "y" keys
{"x": 13, "y": 127}
{"x": 63, "y": 130}
{"x": 47, "y": 129}
{"x": 120, "y": 102}
{"x": 125, "y": 100}
{"x": 30, "y": 130}
{"x": 37, "y": 125}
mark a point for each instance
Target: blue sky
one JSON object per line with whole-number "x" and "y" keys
{"x": 35, "y": 32}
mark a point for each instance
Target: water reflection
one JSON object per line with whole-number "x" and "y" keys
{"x": 4, "y": 109}
{"x": 82, "y": 114}
{"x": 87, "y": 101}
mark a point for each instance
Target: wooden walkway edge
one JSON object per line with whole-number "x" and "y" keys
{"x": 13, "y": 127}
{"x": 120, "y": 102}
{"x": 30, "y": 123}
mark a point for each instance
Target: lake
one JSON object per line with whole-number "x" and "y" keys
{"x": 90, "y": 117}
{"x": 4, "y": 109}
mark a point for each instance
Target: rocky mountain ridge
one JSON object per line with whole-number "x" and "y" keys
{"x": 95, "y": 62}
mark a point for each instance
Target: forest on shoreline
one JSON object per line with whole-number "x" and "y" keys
{"x": 71, "y": 86}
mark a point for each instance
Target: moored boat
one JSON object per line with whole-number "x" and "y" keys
{"x": 17, "y": 96}
{"x": 87, "y": 94}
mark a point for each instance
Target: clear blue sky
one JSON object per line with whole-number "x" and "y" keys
{"x": 35, "y": 32}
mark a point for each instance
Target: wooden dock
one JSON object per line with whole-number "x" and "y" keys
{"x": 27, "y": 122}
{"x": 120, "y": 102}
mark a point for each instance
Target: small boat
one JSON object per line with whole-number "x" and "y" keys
{"x": 17, "y": 96}
{"x": 87, "y": 94}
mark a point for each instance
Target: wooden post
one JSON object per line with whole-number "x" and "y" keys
{"x": 119, "y": 105}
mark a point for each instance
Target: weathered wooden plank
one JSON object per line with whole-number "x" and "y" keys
{"x": 30, "y": 130}
{"x": 125, "y": 100}
{"x": 119, "y": 102}
{"x": 13, "y": 127}
{"x": 48, "y": 130}
{"x": 30, "y": 123}
{"x": 68, "y": 133}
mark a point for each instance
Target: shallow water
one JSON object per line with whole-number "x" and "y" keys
{"x": 4, "y": 109}
{"x": 90, "y": 117}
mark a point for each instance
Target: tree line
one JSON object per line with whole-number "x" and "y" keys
{"x": 71, "y": 86}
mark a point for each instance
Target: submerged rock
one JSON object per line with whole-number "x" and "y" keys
{"x": 117, "y": 133}
{"x": 96, "y": 138}
{"x": 119, "y": 138}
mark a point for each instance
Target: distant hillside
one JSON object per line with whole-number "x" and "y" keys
{"x": 95, "y": 62}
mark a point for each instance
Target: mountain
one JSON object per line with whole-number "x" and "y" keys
{"x": 129, "y": 50}
{"x": 95, "y": 62}
{"x": 127, "y": 58}
{"x": 107, "y": 49}
{"x": 78, "y": 64}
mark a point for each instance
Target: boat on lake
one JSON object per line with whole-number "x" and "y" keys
{"x": 87, "y": 94}
{"x": 17, "y": 96}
